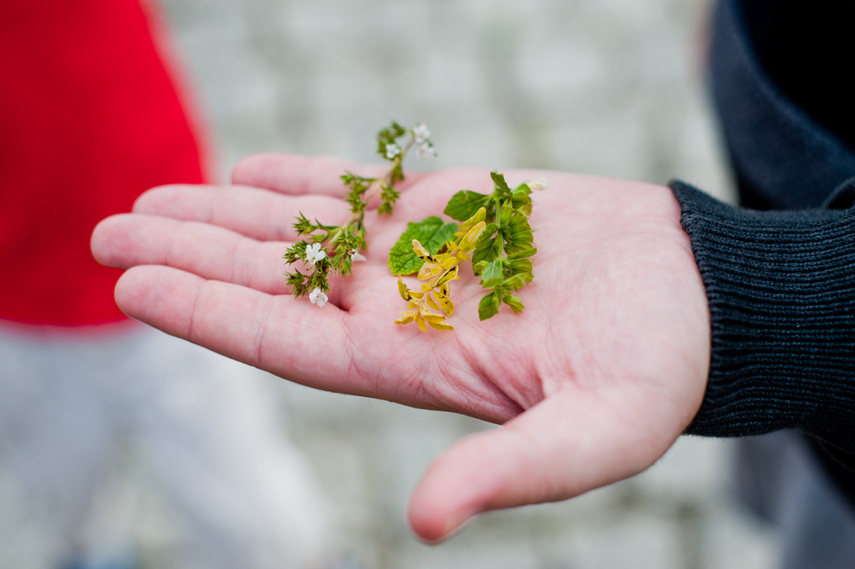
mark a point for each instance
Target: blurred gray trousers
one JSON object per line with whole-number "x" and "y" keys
{"x": 70, "y": 399}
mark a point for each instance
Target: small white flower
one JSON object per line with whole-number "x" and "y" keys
{"x": 425, "y": 150}
{"x": 539, "y": 183}
{"x": 356, "y": 256}
{"x": 314, "y": 253}
{"x": 392, "y": 150}
{"x": 421, "y": 132}
{"x": 317, "y": 296}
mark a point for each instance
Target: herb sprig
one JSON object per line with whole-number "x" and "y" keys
{"x": 331, "y": 249}
{"x": 432, "y": 303}
{"x": 495, "y": 229}
{"x": 493, "y": 233}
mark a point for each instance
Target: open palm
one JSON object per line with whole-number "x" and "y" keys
{"x": 592, "y": 382}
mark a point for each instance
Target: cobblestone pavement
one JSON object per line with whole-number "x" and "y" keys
{"x": 604, "y": 87}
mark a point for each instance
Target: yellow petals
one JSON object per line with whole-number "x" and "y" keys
{"x": 431, "y": 305}
{"x": 448, "y": 262}
{"x": 441, "y": 297}
{"x": 437, "y": 322}
{"x": 407, "y": 316}
{"x": 403, "y": 290}
{"x": 479, "y": 217}
{"x": 467, "y": 244}
{"x": 421, "y": 251}
{"x": 449, "y": 276}
{"x": 429, "y": 270}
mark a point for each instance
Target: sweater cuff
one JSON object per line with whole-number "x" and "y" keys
{"x": 781, "y": 291}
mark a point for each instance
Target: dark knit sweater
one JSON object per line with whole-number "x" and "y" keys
{"x": 781, "y": 284}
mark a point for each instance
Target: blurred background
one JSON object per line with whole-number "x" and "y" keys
{"x": 602, "y": 87}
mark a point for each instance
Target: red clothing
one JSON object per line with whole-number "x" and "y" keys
{"x": 89, "y": 118}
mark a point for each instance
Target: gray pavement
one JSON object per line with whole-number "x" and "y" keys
{"x": 604, "y": 87}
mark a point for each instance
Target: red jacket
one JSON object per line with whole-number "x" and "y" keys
{"x": 89, "y": 118}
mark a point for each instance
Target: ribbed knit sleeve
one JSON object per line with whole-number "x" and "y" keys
{"x": 781, "y": 290}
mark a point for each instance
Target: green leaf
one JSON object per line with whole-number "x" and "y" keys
{"x": 432, "y": 233}
{"x": 516, "y": 282}
{"x": 505, "y": 213}
{"x": 518, "y": 232}
{"x": 464, "y": 204}
{"x": 493, "y": 273}
{"x": 521, "y": 200}
{"x": 488, "y": 248}
{"x": 501, "y": 184}
{"x": 489, "y": 306}
{"x": 522, "y": 254}
{"x": 522, "y": 189}
{"x": 514, "y": 302}
{"x": 521, "y": 267}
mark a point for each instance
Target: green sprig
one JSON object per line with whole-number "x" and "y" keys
{"x": 502, "y": 256}
{"x": 502, "y": 253}
{"x": 340, "y": 245}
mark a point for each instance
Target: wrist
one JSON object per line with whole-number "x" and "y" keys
{"x": 781, "y": 294}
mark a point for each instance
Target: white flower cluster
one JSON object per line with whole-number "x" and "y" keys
{"x": 319, "y": 297}
{"x": 392, "y": 150}
{"x": 314, "y": 253}
{"x": 538, "y": 184}
{"x": 421, "y": 133}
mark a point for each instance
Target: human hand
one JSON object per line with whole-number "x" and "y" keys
{"x": 592, "y": 382}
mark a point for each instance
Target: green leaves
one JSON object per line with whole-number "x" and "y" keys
{"x": 492, "y": 272}
{"x": 502, "y": 252}
{"x": 464, "y": 204}
{"x": 389, "y": 136}
{"x": 494, "y": 233}
{"x": 502, "y": 255}
{"x": 432, "y": 233}
{"x": 489, "y": 306}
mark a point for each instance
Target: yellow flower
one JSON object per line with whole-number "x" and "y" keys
{"x": 431, "y": 305}
{"x": 466, "y": 226}
{"x": 422, "y": 304}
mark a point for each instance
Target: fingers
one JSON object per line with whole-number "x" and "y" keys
{"x": 300, "y": 175}
{"x": 297, "y": 184}
{"x": 254, "y": 212}
{"x": 207, "y": 250}
{"x": 567, "y": 445}
{"x": 285, "y": 336}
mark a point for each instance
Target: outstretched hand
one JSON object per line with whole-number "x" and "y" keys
{"x": 592, "y": 382}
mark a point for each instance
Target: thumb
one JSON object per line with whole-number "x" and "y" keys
{"x": 564, "y": 446}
